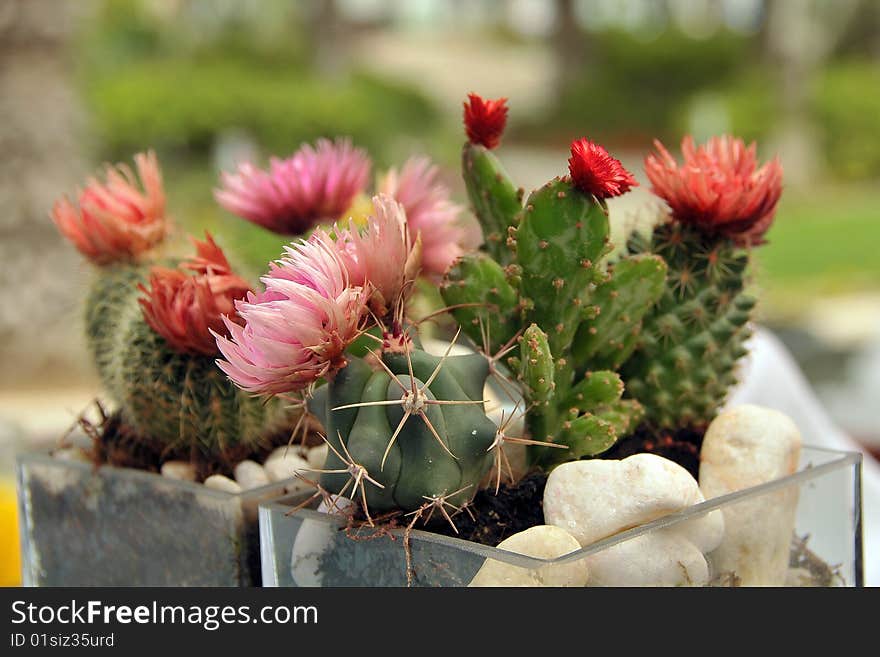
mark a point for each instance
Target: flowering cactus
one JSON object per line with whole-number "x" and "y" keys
{"x": 720, "y": 202}
{"x": 150, "y": 328}
{"x": 545, "y": 280}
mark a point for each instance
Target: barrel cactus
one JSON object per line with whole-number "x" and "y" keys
{"x": 149, "y": 322}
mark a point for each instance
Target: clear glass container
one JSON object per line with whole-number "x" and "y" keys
{"x": 802, "y": 530}
{"x": 109, "y": 526}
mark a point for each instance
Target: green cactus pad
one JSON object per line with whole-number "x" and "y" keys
{"x": 559, "y": 244}
{"x": 611, "y": 332}
{"x": 477, "y": 279}
{"x": 496, "y": 201}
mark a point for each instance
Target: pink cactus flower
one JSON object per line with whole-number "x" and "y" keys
{"x": 719, "y": 187}
{"x": 315, "y": 184}
{"x": 381, "y": 257}
{"x": 297, "y": 330}
{"x": 185, "y": 305}
{"x": 116, "y": 220}
{"x": 430, "y": 214}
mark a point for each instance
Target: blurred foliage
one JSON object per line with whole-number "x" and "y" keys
{"x": 846, "y": 100}
{"x": 635, "y": 89}
{"x": 178, "y": 85}
{"x": 169, "y": 103}
{"x": 824, "y": 241}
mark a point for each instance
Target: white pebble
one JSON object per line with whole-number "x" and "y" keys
{"x": 222, "y": 483}
{"x": 250, "y": 474}
{"x": 543, "y": 542}
{"x": 598, "y": 498}
{"x": 658, "y": 558}
{"x": 747, "y": 446}
{"x": 285, "y": 467}
{"x": 317, "y": 456}
{"x": 181, "y": 470}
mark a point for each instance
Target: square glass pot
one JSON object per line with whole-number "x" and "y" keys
{"x": 108, "y": 526}
{"x": 801, "y": 530}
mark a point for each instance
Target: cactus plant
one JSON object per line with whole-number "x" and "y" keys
{"x": 547, "y": 308}
{"x": 544, "y": 276}
{"x": 389, "y": 422}
{"x": 721, "y": 204}
{"x": 152, "y": 346}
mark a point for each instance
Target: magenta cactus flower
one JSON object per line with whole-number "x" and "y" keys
{"x": 297, "y": 330}
{"x": 317, "y": 183}
{"x": 430, "y": 214}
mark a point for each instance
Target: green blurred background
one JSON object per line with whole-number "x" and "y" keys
{"x": 208, "y": 83}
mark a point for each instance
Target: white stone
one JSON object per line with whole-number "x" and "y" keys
{"x": 317, "y": 456}
{"x": 598, "y": 498}
{"x": 747, "y": 446}
{"x": 658, "y": 558}
{"x": 178, "y": 470}
{"x": 222, "y": 483}
{"x": 286, "y": 450}
{"x": 285, "y": 467}
{"x": 250, "y": 474}
{"x": 337, "y": 504}
{"x": 543, "y": 542}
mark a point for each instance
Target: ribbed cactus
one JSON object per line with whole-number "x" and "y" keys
{"x": 155, "y": 348}
{"x": 179, "y": 400}
{"x": 412, "y": 449}
{"x": 693, "y": 337}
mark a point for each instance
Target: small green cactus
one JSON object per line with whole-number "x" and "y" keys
{"x": 544, "y": 278}
{"x": 685, "y": 359}
{"x": 181, "y": 401}
{"x": 414, "y": 428}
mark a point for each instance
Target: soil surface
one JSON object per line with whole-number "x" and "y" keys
{"x": 681, "y": 446}
{"x": 493, "y": 517}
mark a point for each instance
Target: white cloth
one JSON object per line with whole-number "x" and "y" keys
{"x": 772, "y": 378}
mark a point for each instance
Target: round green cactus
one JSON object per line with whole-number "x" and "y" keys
{"x": 408, "y": 432}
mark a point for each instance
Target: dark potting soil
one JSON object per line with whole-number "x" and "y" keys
{"x": 494, "y": 517}
{"x": 682, "y": 446}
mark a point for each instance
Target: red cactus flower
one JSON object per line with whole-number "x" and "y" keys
{"x": 594, "y": 171}
{"x": 184, "y": 305}
{"x": 484, "y": 120}
{"x": 314, "y": 184}
{"x": 719, "y": 188}
{"x": 116, "y": 221}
